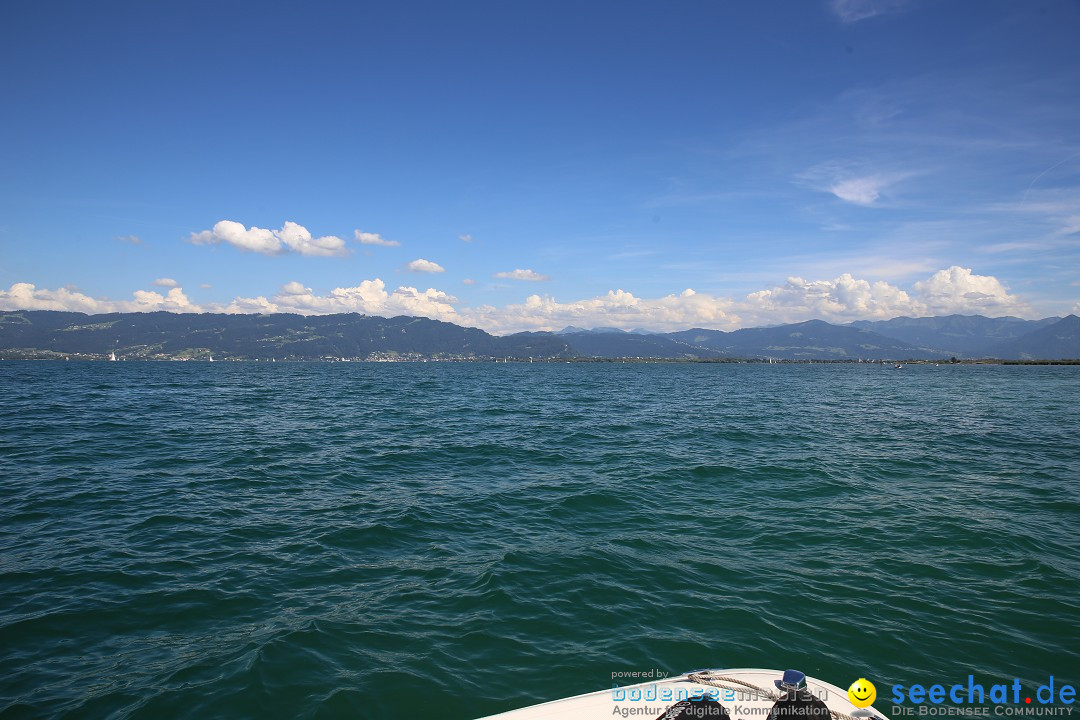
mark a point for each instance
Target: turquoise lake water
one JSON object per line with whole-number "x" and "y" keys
{"x": 453, "y": 540}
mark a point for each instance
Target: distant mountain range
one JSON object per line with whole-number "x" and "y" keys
{"x": 164, "y": 335}
{"x": 960, "y": 335}
{"x": 278, "y": 336}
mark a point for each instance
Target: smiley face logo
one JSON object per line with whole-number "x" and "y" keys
{"x": 862, "y": 693}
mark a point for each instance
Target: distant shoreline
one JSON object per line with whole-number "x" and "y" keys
{"x": 356, "y": 338}
{"x": 52, "y": 356}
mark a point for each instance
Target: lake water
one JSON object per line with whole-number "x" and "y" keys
{"x": 452, "y": 540}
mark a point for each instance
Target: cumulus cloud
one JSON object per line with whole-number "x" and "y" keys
{"x": 290, "y": 238}
{"x": 166, "y": 282}
{"x": 955, "y": 290}
{"x": 366, "y": 238}
{"x": 617, "y": 308}
{"x": 842, "y": 299}
{"x": 27, "y": 296}
{"x": 173, "y": 301}
{"x": 252, "y": 306}
{"x": 298, "y": 239}
{"x": 520, "y": 274}
{"x": 234, "y": 233}
{"x": 959, "y": 290}
{"x": 369, "y": 297}
{"x": 425, "y": 266}
{"x": 295, "y": 288}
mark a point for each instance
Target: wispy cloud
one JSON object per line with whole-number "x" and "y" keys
{"x": 851, "y": 182}
{"x": 859, "y": 191}
{"x": 850, "y": 11}
{"x": 632, "y": 254}
{"x": 131, "y": 239}
{"x": 1057, "y": 209}
{"x": 520, "y": 274}
{"x": 366, "y": 238}
{"x": 465, "y": 238}
{"x": 1009, "y": 247}
{"x": 679, "y": 197}
{"x": 166, "y": 282}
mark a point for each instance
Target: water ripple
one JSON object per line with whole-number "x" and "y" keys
{"x": 305, "y": 540}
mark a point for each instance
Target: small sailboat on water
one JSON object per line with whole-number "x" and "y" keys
{"x": 112, "y": 356}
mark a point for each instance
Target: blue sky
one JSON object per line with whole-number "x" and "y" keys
{"x": 526, "y": 165}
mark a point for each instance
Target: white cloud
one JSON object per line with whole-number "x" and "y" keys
{"x": 366, "y": 238}
{"x": 955, "y": 290}
{"x": 425, "y": 266}
{"x": 1059, "y": 209}
{"x": 26, "y": 296}
{"x": 291, "y": 237}
{"x": 132, "y": 239}
{"x": 466, "y": 238}
{"x": 206, "y": 286}
{"x": 859, "y": 191}
{"x": 173, "y": 301}
{"x": 850, "y": 11}
{"x": 845, "y": 298}
{"x": 1008, "y": 247}
{"x": 295, "y": 288}
{"x": 959, "y": 290}
{"x": 468, "y": 281}
{"x": 249, "y": 306}
{"x": 842, "y": 300}
{"x": 166, "y": 282}
{"x": 234, "y": 233}
{"x": 1070, "y": 226}
{"x": 520, "y": 274}
{"x": 298, "y": 239}
{"x": 852, "y": 182}
{"x": 615, "y": 309}
{"x": 369, "y": 297}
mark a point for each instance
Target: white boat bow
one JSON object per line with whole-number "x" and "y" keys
{"x": 737, "y": 694}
